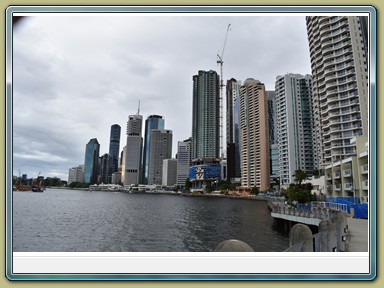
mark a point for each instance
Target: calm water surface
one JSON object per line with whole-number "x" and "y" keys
{"x": 82, "y": 221}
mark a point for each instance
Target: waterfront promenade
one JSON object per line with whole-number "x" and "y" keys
{"x": 358, "y": 234}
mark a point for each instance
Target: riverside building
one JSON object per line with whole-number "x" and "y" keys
{"x": 91, "y": 161}
{"x": 76, "y": 174}
{"x": 273, "y": 139}
{"x": 160, "y": 149}
{"x": 295, "y": 126}
{"x": 152, "y": 122}
{"x": 114, "y": 149}
{"x": 133, "y": 150}
{"x": 205, "y": 168}
{"x": 233, "y": 130}
{"x": 338, "y": 51}
{"x": 255, "y": 160}
{"x": 184, "y": 160}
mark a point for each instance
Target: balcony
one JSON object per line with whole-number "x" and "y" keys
{"x": 348, "y": 186}
{"x": 348, "y": 173}
{"x": 337, "y": 175}
{"x": 337, "y": 187}
{"x": 364, "y": 169}
{"x": 365, "y": 185}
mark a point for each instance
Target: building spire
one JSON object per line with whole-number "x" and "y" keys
{"x": 138, "y": 109}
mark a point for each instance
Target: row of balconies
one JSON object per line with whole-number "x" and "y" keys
{"x": 332, "y": 27}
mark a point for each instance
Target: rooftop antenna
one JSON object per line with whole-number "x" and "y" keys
{"x": 138, "y": 109}
{"x": 220, "y": 62}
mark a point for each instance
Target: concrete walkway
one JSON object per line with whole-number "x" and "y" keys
{"x": 358, "y": 232}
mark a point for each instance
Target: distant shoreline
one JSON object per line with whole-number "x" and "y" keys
{"x": 251, "y": 197}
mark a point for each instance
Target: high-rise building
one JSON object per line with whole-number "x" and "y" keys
{"x": 255, "y": 171}
{"x": 160, "y": 149}
{"x": 338, "y": 51}
{"x": 76, "y": 174}
{"x": 169, "y": 172}
{"x": 133, "y": 150}
{"x": 233, "y": 129}
{"x": 295, "y": 125}
{"x": 273, "y": 139}
{"x": 114, "y": 149}
{"x": 91, "y": 161}
{"x": 206, "y": 115}
{"x": 184, "y": 158}
{"x": 152, "y": 122}
{"x": 104, "y": 169}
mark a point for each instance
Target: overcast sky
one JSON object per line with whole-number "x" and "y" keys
{"x": 74, "y": 77}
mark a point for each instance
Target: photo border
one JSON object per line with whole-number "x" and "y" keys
{"x": 199, "y": 9}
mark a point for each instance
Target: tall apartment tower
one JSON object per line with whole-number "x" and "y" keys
{"x": 91, "y": 161}
{"x": 273, "y": 139}
{"x": 160, "y": 149}
{"x": 114, "y": 149}
{"x": 295, "y": 125}
{"x": 152, "y": 122}
{"x": 205, "y": 115}
{"x": 338, "y": 51}
{"x": 133, "y": 150}
{"x": 184, "y": 160}
{"x": 233, "y": 129}
{"x": 76, "y": 174}
{"x": 254, "y": 135}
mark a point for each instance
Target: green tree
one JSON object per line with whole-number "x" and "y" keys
{"x": 316, "y": 172}
{"x": 255, "y": 190}
{"x": 300, "y": 194}
{"x": 299, "y": 175}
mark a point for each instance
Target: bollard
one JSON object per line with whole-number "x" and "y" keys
{"x": 340, "y": 222}
{"x": 301, "y": 233}
{"x": 328, "y": 242}
{"x": 233, "y": 246}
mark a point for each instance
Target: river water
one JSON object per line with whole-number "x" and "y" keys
{"x": 82, "y": 221}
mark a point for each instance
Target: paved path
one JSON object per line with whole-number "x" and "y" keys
{"x": 358, "y": 230}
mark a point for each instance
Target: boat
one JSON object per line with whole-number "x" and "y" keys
{"x": 26, "y": 188}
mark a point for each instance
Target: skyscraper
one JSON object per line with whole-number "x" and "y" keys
{"x": 254, "y": 135}
{"x": 233, "y": 129}
{"x": 133, "y": 150}
{"x": 338, "y": 51}
{"x": 91, "y": 161}
{"x": 114, "y": 149}
{"x": 295, "y": 125}
{"x": 205, "y": 115}
{"x": 104, "y": 169}
{"x": 152, "y": 122}
{"x": 273, "y": 139}
{"x": 184, "y": 159}
{"x": 160, "y": 149}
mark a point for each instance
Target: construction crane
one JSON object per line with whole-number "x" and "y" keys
{"x": 221, "y": 62}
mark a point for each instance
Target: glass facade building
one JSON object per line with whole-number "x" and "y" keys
{"x": 91, "y": 161}
{"x": 233, "y": 129}
{"x": 152, "y": 122}
{"x": 114, "y": 150}
{"x": 205, "y": 115}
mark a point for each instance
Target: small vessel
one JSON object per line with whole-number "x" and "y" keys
{"x": 25, "y": 188}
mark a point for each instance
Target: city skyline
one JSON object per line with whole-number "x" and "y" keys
{"x": 73, "y": 88}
